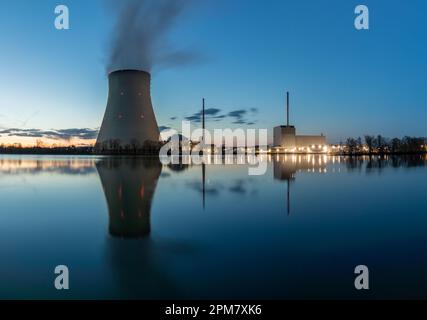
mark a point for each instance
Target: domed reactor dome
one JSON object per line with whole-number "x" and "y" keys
{"x": 129, "y": 120}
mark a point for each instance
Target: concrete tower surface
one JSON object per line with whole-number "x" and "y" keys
{"x": 129, "y": 119}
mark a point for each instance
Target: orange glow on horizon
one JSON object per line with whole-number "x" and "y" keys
{"x": 29, "y": 142}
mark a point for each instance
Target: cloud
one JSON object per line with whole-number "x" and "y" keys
{"x": 61, "y": 134}
{"x": 210, "y": 113}
{"x": 238, "y": 114}
{"x": 193, "y": 118}
{"x": 164, "y": 128}
{"x": 239, "y": 187}
{"x": 209, "y": 189}
{"x": 84, "y": 133}
{"x": 214, "y": 114}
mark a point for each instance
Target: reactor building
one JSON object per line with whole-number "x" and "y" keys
{"x": 285, "y": 138}
{"x": 129, "y": 120}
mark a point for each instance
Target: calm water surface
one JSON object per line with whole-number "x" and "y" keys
{"x": 132, "y": 228}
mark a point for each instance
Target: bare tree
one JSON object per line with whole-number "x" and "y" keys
{"x": 351, "y": 145}
{"x": 370, "y": 142}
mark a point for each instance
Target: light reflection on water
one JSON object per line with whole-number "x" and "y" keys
{"x": 132, "y": 228}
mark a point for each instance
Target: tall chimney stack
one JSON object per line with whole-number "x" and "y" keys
{"x": 203, "y": 120}
{"x": 287, "y": 108}
{"x": 203, "y": 113}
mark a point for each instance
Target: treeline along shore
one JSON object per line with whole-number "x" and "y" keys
{"x": 369, "y": 145}
{"x": 380, "y": 145}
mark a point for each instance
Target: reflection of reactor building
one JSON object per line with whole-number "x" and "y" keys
{"x": 129, "y": 185}
{"x": 129, "y": 119}
{"x": 286, "y": 166}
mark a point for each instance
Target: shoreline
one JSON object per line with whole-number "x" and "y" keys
{"x": 91, "y": 153}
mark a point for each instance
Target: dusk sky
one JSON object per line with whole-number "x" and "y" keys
{"x": 343, "y": 82}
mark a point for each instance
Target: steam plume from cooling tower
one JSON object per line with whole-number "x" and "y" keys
{"x": 140, "y": 35}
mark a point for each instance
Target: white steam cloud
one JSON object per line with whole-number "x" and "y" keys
{"x": 140, "y": 39}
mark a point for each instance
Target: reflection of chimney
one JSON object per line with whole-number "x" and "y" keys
{"x": 286, "y": 167}
{"x": 287, "y": 108}
{"x": 129, "y": 118}
{"x": 204, "y": 184}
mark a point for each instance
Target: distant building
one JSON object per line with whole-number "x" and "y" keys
{"x": 286, "y": 139}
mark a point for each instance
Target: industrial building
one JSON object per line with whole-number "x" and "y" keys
{"x": 129, "y": 120}
{"x": 285, "y": 139}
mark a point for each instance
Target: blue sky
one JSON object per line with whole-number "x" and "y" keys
{"x": 343, "y": 82}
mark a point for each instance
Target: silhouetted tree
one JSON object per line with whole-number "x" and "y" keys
{"x": 359, "y": 144}
{"x": 395, "y": 145}
{"x": 351, "y": 145}
{"x": 370, "y": 143}
{"x": 381, "y": 143}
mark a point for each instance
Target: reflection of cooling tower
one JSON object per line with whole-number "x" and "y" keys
{"x": 129, "y": 186}
{"x": 129, "y": 119}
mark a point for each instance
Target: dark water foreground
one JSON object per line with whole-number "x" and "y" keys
{"x": 132, "y": 228}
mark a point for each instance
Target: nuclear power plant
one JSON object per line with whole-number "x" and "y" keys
{"x": 129, "y": 121}
{"x": 286, "y": 140}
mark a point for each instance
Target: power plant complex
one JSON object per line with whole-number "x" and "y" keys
{"x": 129, "y": 120}
{"x": 285, "y": 138}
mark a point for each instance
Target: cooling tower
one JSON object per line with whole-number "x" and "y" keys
{"x": 129, "y": 119}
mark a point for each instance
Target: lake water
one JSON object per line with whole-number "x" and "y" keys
{"x": 132, "y": 228}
